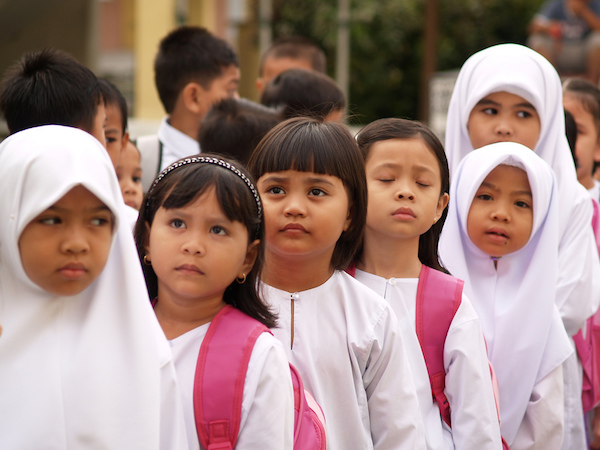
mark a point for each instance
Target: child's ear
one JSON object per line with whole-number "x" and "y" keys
{"x": 251, "y": 254}
{"x": 193, "y": 97}
{"x": 442, "y": 203}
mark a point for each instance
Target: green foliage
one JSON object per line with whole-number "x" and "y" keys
{"x": 387, "y": 42}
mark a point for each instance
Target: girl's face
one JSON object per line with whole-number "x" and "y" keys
{"x": 501, "y": 215}
{"x": 587, "y": 147}
{"x": 129, "y": 173}
{"x": 404, "y": 182}
{"x": 305, "y": 213}
{"x": 504, "y": 117}
{"x": 65, "y": 248}
{"x": 196, "y": 251}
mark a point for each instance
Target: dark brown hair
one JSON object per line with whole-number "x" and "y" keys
{"x": 182, "y": 186}
{"x": 311, "y": 145}
{"x": 384, "y": 129}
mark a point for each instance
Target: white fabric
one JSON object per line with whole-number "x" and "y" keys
{"x": 521, "y": 71}
{"x": 350, "y": 354}
{"x": 268, "y": 404}
{"x": 515, "y": 302}
{"x": 595, "y": 191}
{"x": 468, "y": 382}
{"x": 176, "y": 144}
{"x": 92, "y": 370}
{"x": 542, "y": 426}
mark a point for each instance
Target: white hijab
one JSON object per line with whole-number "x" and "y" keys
{"x": 86, "y": 371}
{"x": 515, "y": 303}
{"x": 521, "y": 71}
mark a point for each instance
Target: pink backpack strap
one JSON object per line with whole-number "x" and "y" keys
{"x": 438, "y": 297}
{"x": 220, "y": 376}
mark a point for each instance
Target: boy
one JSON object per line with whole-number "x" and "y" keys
{"x": 192, "y": 70}
{"x": 51, "y": 87}
{"x": 115, "y": 131}
{"x": 293, "y": 52}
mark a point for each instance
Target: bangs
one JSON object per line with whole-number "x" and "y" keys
{"x": 306, "y": 146}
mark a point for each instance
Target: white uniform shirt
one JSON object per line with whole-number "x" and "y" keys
{"x": 268, "y": 405}
{"x": 468, "y": 383}
{"x": 176, "y": 144}
{"x": 344, "y": 340}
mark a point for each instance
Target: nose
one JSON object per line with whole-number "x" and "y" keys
{"x": 404, "y": 191}
{"x": 194, "y": 244}
{"x": 503, "y": 127}
{"x": 501, "y": 213}
{"x": 75, "y": 240}
{"x": 295, "y": 206}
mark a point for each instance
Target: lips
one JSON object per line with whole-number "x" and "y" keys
{"x": 294, "y": 227}
{"x": 497, "y": 234}
{"x": 73, "y": 271}
{"x": 189, "y": 269}
{"x": 404, "y": 213}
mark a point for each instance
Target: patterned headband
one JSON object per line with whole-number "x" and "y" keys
{"x": 208, "y": 160}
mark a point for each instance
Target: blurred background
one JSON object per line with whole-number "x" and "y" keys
{"x": 392, "y": 57}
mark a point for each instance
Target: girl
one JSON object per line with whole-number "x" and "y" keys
{"x": 408, "y": 183}
{"x": 199, "y": 235}
{"x": 509, "y": 92}
{"x": 502, "y": 239}
{"x": 129, "y": 174}
{"x": 83, "y": 362}
{"x": 342, "y": 337}
{"x": 582, "y": 99}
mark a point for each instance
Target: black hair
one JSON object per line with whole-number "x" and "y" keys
{"x": 311, "y": 145}
{"x": 233, "y": 128}
{"x": 49, "y": 87}
{"x": 112, "y": 96}
{"x": 182, "y": 186}
{"x": 189, "y": 54}
{"x": 296, "y": 47}
{"x": 301, "y": 92}
{"x": 571, "y": 132}
{"x": 588, "y": 95}
{"x": 384, "y": 129}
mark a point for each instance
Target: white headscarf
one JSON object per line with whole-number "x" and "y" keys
{"x": 90, "y": 370}
{"x": 515, "y": 303}
{"x": 521, "y": 71}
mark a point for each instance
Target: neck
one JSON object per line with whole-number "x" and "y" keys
{"x": 587, "y": 182}
{"x": 178, "y": 316}
{"x": 293, "y": 274}
{"x": 186, "y": 123}
{"x": 391, "y": 257}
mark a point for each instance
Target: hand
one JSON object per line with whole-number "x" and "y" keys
{"x": 595, "y": 444}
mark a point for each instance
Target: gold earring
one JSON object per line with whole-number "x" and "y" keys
{"x": 435, "y": 220}
{"x": 242, "y": 279}
{"x": 146, "y": 260}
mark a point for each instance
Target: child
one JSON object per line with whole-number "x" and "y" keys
{"x": 129, "y": 174}
{"x": 301, "y": 92}
{"x": 51, "y": 87}
{"x": 408, "y": 183}
{"x": 199, "y": 236}
{"x": 115, "y": 130}
{"x": 83, "y": 361}
{"x": 233, "y": 128}
{"x": 192, "y": 70}
{"x": 342, "y": 337}
{"x": 501, "y": 237}
{"x": 582, "y": 99}
{"x": 508, "y": 92}
{"x": 289, "y": 52}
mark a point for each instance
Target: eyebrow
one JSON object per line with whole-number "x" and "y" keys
{"x": 311, "y": 180}
{"x": 495, "y": 188}
{"x": 99, "y": 208}
{"x": 487, "y": 101}
{"x": 418, "y": 167}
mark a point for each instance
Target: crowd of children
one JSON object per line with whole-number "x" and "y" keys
{"x": 295, "y": 286}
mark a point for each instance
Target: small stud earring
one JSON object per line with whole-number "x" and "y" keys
{"x": 146, "y": 260}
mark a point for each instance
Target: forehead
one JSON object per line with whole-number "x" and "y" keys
{"x": 113, "y": 115}
{"x": 506, "y": 98}
{"x": 274, "y": 65}
{"x": 230, "y": 74}
{"x": 508, "y": 177}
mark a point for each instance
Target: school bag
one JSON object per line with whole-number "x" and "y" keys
{"x": 219, "y": 385}
{"x": 438, "y": 297}
{"x": 151, "y": 151}
{"x": 588, "y": 345}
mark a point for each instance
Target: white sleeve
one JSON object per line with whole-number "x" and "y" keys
{"x": 268, "y": 405}
{"x": 474, "y": 416}
{"x": 578, "y": 286}
{"x": 542, "y": 426}
{"x": 396, "y": 421}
